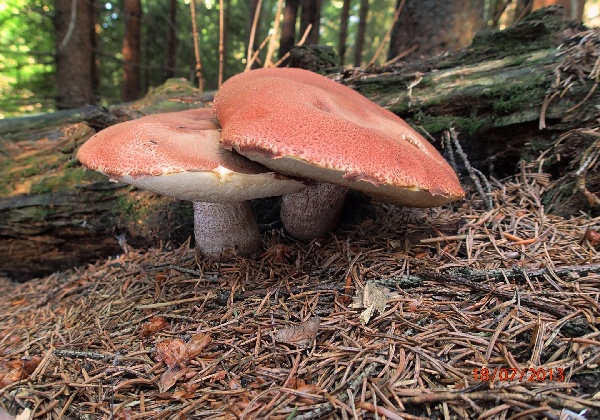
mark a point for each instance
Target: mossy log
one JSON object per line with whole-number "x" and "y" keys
{"x": 510, "y": 95}
{"x": 54, "y": 214}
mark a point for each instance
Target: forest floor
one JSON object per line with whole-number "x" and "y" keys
{"x": 470, "y": 313}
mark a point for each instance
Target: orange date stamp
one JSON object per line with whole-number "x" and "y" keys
{"x": 520, "y": 375}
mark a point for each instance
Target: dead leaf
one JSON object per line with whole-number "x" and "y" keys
{"x": 170, "y": 377}
{"x": 593, "y": 237}
{"x": 125, "y": 414}
{"x": 197, "y": 343}
{"x": 30, "y": 363}
{"x": 181, "y": 394}
{"x": 302, "y": 335}
{"x": 17, "y": 369}
{"x": 155, "y": 324}
{"x": 373, "y": 298}
{"x": 173, "y": 352}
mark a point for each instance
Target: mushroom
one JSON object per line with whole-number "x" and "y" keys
{"x": 178, "y": 155}
{"x": 302, "y": 124}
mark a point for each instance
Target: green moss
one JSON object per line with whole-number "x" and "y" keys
{"x": 507, "y": 98}
{"x": 126, "y": 207}
{"x": 4, "y": 183}
{"x": 437, "y": 124}
{"x": 132, "y": 207}
{"x": 65, "y": 178}
{"x": 37, "y": 214}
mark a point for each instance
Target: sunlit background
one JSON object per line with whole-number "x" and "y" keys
{"x": 27, "y": 44}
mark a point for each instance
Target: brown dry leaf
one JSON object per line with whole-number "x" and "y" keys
{"x": 190, "y": 387}
{"x": 593, "y": 237}
{"x": 197, "y": 343}
{"x": 310, "y": 389}
{"x": 125, "y": 414}
{"x": 173, "y": 352}
{"x": 170, "y": 377}
{"x": 181, "y": 394}
{"x": 17, "y": 369}
{"x": 30, "y": 364}
{"x": 373, "y": 298}
{"x": 10, "y": 371}
{"x": 302, "y": 335}
{"x": 155, "y": 324}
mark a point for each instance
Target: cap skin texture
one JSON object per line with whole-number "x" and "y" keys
{"x": 179, "y": 155}
{"x": 302, "y": 124}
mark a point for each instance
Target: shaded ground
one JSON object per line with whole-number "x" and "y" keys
{"x": 469, "y": 295}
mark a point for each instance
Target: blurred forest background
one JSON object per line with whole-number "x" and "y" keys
{"x": 58, "y": 54}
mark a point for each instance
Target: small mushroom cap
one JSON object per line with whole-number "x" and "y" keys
{"x": 302, "y": 124}
{"x": 178, "y": 154}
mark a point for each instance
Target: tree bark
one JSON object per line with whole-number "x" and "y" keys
{"x": 496, "y": 94}
{"x": 311, "y": 15}
{"x": 522, "y": 9}
{"x": 343, "y": 30}
{"x": 252, "y": 6}
{"x": 130, "y": 86}
{"x": 95, "y": 64}
{"x": 171, "y": 60}
{"x": 573, "y": 8}
{"x": 435, "y": 27}
{"x": 288, "y": 27}
{"x": 74, "y": 71}
{"x": 362, "y": 30}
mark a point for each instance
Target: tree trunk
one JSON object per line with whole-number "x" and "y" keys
{"x": 288, "y": 27}
{"x": 496, "y": 94}
{"x": 573, "y": 8}
{"x": 344, "y": 30}
{"x": 74, "y": 71}
{"x": 522, "y": 9}
{"x": 226, "y": 21}
{"x": 223, "y": 28}
{"x": 95, "y": 64}
{"x": 435, "y": 27}
{"x": 252, "y": 6}
{"x": 362, "y": 30}
{"x": 130, "y": 86}
{"x": 311, "y": 15}
{"x": 171, "y": 60}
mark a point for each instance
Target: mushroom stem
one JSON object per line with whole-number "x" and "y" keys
{"x": 223, "y": 230}
{"x": 314, "y": 211}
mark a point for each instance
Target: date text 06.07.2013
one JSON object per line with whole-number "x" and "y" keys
{"x": 521, "y": 375}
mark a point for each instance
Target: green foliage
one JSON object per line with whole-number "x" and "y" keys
{"x": 27, "y": 44}
{"x": 26, "y": 56}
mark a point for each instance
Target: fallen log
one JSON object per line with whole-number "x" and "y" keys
{"x": 511, "y": 95}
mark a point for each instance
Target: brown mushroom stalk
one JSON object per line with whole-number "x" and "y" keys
{"x": 314, "y": 211}
{"x": 225, "y": 229}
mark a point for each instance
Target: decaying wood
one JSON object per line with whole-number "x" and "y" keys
{"x": 54, "y": 214}
{"x": 510, "y": 96}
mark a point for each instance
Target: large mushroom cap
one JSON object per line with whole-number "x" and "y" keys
{"x": 303, "y": 124}
{"x": 178, "y": 154}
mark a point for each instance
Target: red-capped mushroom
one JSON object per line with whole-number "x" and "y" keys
{"x": 302, "y": 124}
{"x": 178, "y": 155}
